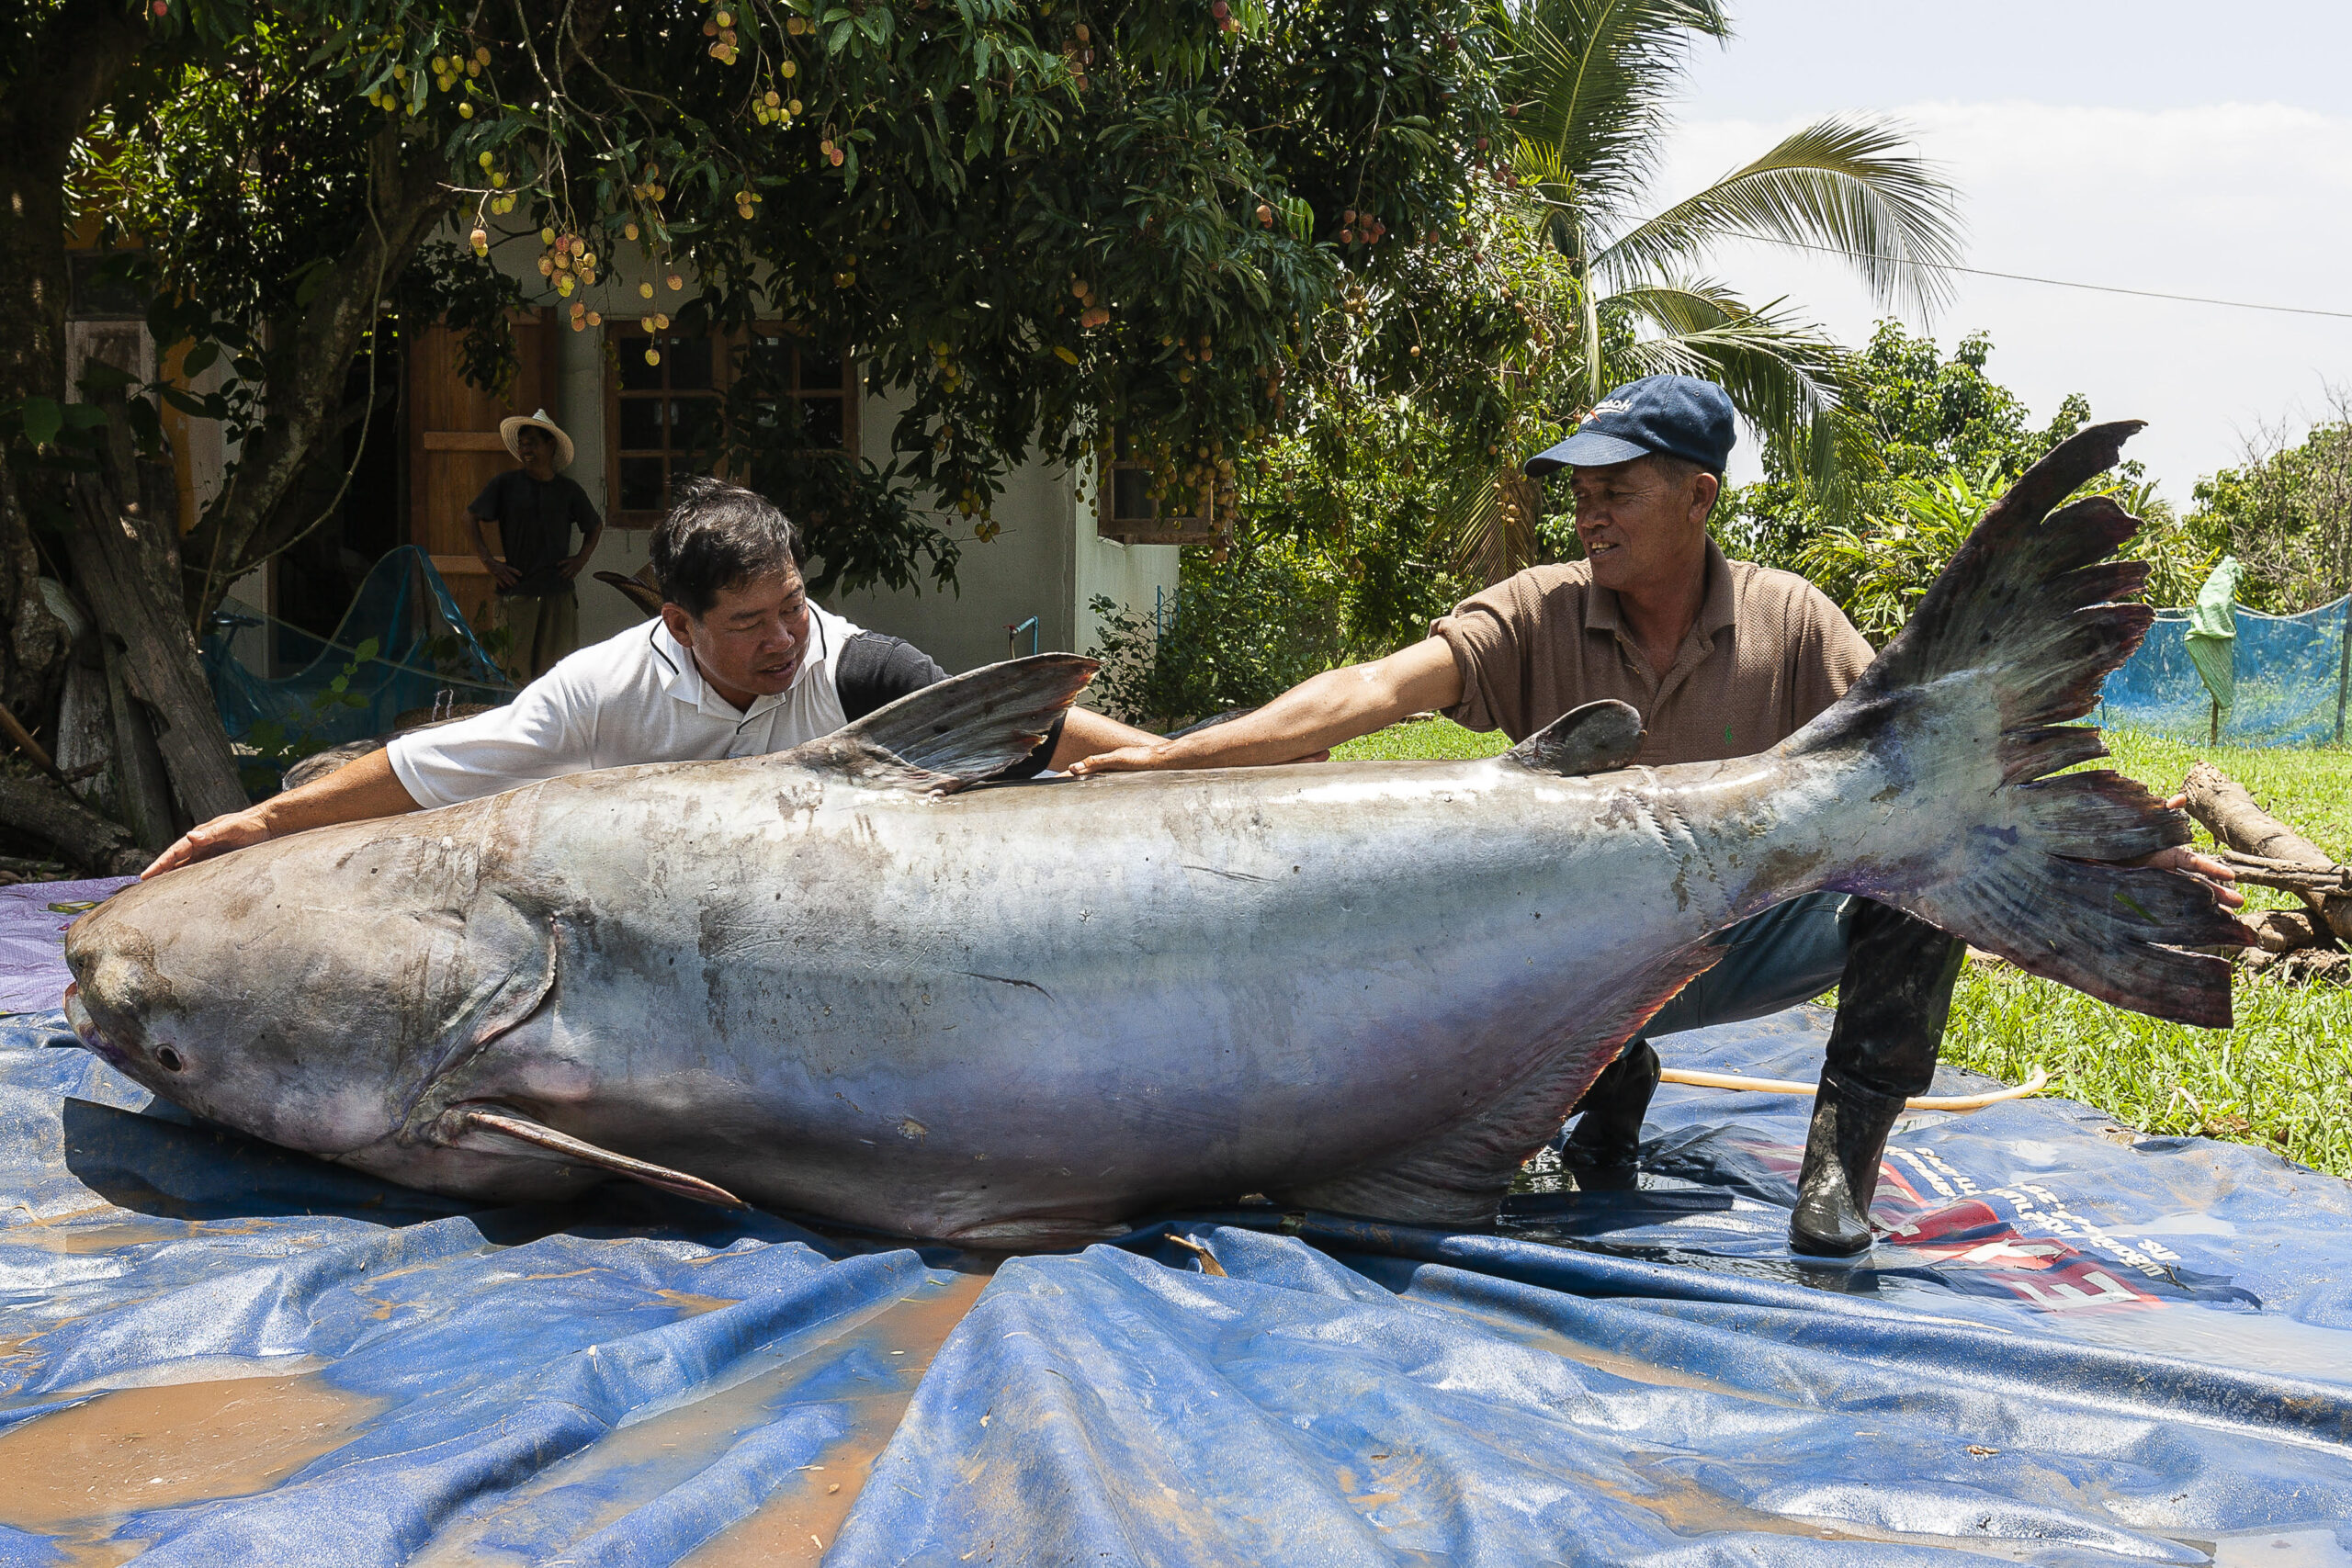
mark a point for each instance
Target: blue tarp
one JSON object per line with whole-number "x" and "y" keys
{"x": 2079, "y": 1346}
{"x": 2289, "y": 675}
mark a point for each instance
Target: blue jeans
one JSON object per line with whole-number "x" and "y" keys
{"x": 1893, "y": 972}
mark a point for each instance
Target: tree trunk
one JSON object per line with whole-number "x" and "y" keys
{"x": 140, "y": 783}
{"x": 82, "y": 46}
{"x": 124, "y": 559}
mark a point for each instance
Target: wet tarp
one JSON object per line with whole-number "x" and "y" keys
{"x": 2077, "y": 1347}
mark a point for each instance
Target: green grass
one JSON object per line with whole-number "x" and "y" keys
{"x": 2281, "y": 1080}
{"x": 1423, "y": 740}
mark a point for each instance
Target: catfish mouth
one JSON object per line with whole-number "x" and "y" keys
{"x": 94, "y": 1038}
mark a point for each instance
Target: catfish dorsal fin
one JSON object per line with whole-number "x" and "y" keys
{"x": 1593, "y": 738}
{"x": 960, "y": 730}
{"x": 498, "y": 1127}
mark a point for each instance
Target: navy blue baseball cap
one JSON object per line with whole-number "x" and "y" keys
{"x": 1678, "y": 415}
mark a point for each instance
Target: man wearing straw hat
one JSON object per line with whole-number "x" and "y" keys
{"x": 536, "y": 509}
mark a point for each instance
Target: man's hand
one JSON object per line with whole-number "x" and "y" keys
{"x": 573, "y": 565}
{"x": 502, "y": 574}
{"x": 232, "y": 830}
{"x": 2183, "y": 858}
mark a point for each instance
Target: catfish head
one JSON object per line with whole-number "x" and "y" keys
{"x": 328, "y": 991}
{"x": 310, "y": 990}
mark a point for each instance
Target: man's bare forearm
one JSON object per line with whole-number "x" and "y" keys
{"x": 1085, "y": 733}
{"x": 353, "y": 792}
{"x": 1318, "y": 714}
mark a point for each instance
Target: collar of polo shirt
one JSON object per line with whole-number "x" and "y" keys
{"x": 682, "y": 677}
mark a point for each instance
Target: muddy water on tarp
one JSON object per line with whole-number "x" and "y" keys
{"x": 670, "y": 1446}
{"x": 797, "y": 1523}
{"x": 80, "y": 1470}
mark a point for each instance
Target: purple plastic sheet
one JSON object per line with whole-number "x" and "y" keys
{"x": 33, "y": 918}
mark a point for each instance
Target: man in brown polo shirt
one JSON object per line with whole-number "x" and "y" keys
{"x": 1722, "y": 659}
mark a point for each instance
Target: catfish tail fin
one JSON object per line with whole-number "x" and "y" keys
{"x": 1971, "y": 702}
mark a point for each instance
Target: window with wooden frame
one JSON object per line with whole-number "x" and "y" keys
{"x": 1124, "y": 509}
{"x": 661, "y": 416}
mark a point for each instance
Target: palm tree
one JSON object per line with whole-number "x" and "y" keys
{"x": 1589, "y": 83}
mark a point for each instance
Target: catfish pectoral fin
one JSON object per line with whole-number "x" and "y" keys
{"x": 465, "y": 1124}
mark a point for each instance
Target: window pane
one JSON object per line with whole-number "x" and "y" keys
{"x": 820, "y": 419}
{"x": 637, "y": 376}
{"x": 642, "y": 425}
{"x": 824, "y": 368}
{"x": 1131, "y": 496}
{"x": 693, "y": 426}
{"x": 640, "y": 484}
{"x": 688, "y": 361}
{"x": 770, "y": 354}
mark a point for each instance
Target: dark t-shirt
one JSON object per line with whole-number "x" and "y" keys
{"x": 875, "y": 671}
{"x": 535, "y": 520}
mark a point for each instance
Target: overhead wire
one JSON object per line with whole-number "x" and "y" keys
{"x": 2066, "y": 283}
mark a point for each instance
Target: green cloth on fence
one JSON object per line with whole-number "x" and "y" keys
{"x": 2213, "y": 631}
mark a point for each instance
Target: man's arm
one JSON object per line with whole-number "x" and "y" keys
{"x": 353, "y": 792}
{"x": 1313, "y": 716}
{"x": 593, "y": 530}
{"x": 499, "y": 572}
{"x": 1085, "y": 733}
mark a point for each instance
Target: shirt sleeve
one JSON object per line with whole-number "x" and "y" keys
{"x": 876, "y": 671}
{"x": 584, "y": 512}
{"x": 539, "y": 735}
{"x": 490, "y": 504}
{"x": 1489, "y": 635}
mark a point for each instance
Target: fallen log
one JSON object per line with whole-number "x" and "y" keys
{"x": 2284, "y": 931}
{"x": 2269, "y": 852}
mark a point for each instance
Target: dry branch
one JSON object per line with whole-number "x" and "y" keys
{"x": 2269, "y": 852}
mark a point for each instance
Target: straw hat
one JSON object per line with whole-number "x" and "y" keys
{"x": 507, "y": 427}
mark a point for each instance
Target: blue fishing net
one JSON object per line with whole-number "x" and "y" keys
{"x": 2289, "y": 684}
{"x": 401, "y": 653}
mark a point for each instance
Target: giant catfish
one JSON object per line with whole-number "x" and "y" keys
{"x": 844, "y": 981}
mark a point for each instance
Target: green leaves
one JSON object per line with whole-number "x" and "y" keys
{"x": 40, "y": 419}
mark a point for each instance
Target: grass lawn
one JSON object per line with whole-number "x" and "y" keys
{"x": 2282, "y": 1079}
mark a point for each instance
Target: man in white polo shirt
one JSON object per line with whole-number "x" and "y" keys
{"x": 739, "y": 663}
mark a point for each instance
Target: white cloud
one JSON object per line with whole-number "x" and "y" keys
{"x": 2235, "y": 201}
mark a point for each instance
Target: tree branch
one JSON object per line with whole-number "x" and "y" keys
{"x": 42, "y": 806}
{"x": 310, "y": 354}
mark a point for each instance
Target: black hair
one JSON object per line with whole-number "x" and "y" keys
{"x": 717, "y": 537}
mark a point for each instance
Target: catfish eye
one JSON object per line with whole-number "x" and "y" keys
{"x": 170, "y": 1059}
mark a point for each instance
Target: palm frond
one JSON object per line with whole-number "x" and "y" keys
{"x": 1784, "y": 377}
{"x": 1485, "y": 523}
{"x": 1847, "y": 185}
{"x": 1595, "y": 78}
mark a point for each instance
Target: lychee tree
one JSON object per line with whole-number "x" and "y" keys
{"x": 1030, "y": 221}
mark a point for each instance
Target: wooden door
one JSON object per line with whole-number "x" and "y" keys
{"x": 454, "y": 448}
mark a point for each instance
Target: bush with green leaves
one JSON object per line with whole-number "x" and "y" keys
{"x": 1241, "y": 632}
{"x": 1952, "y": 440}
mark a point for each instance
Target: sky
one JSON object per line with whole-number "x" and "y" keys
{"x": 2154, "y": 145}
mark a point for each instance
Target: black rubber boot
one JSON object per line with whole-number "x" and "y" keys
{"x": 1608, "y": 1133}
{"x": 1892, "y": 1000}
{"x": 1842, "y": 1150}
